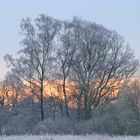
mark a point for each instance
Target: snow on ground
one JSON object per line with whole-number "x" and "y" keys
{"x": 69, "y": 137}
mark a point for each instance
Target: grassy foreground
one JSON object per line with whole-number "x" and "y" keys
{"x": 69, "y": 137}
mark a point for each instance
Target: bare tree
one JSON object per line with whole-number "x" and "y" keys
{"x": 101, "y": 63}
{"x": 35, "y": 58}
{"x": 65, "y": 54}
{"x": 12, "y": 92}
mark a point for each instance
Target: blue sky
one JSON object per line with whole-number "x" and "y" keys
{"x": 120, "y": 15}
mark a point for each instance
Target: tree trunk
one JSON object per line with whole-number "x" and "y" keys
{"x": 88, "y": 113}
{"x": 65, "y": 98}
{"x": 79, "y": 107}
{"x": 87, "y": 108}
{"x": 61, "y": 110}
{"x": 42, "y": 101}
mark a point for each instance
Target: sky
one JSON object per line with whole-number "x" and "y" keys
{"x": 120, "y": 15}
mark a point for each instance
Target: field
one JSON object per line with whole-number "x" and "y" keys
{"x": 68, "y": 137}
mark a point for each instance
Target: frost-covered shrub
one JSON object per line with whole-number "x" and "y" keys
{"x": 106, "y": 120}
{"x": 84, "y": 127}
{"x": 4, "y": 116}
{"x": 20, "y": 124}
{"x": 64, "y": 126}
{"x": 129, "y": 111}
{"x": 59, "y": 126}
{"x": 119, "y": 118}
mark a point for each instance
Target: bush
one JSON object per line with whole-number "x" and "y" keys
{"x": 21, "y": 123}
{"x": 106, "y": 120}
{"x": 84, "y": 128}
{"x": 4, "y": 116}
{"x": 59, "y": 126}
{"x": 119, "y": 118}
